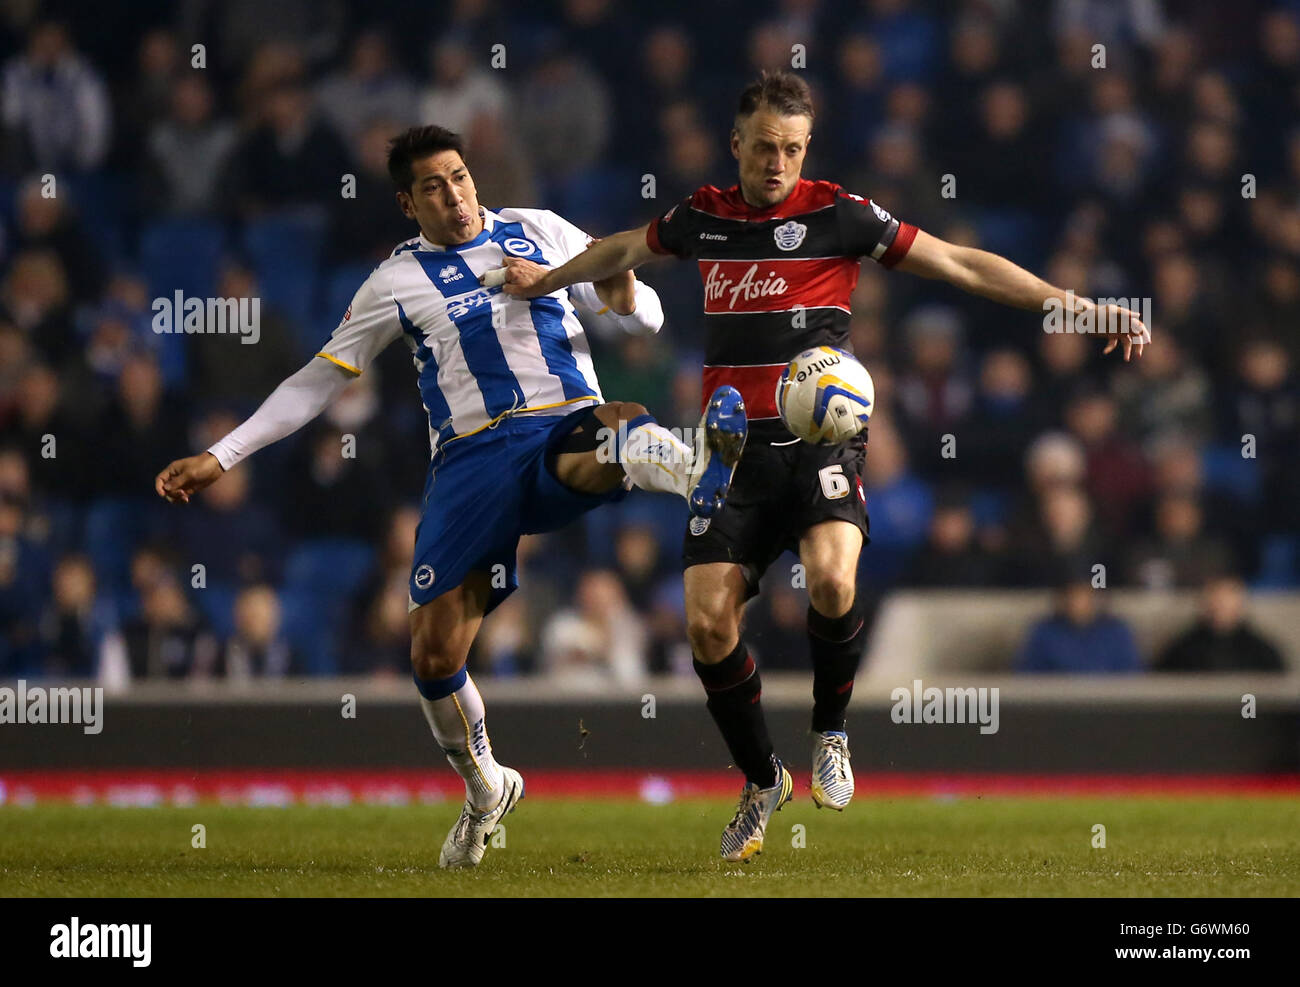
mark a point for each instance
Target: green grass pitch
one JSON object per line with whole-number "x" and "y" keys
{"x": 904, "y": 846}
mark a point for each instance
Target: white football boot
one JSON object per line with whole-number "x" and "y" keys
{"x": 743, "y": 837}
{"x": 832, "y": 778}
{"x": 467, "y": 840}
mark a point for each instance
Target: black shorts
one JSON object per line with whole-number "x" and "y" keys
{"x": 778, "y": 493}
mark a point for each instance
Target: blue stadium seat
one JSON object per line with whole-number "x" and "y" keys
{"x": 115, "y": 527}
{"x": 182, "y": 254}
{"x": 339, "y": 285}
{"x": 285, "y": 251}
{"x": 216, "y": 602}
{"x": 1279, "y": 563}
{"x": 1227, "y": 471}
{"x": 321, "y": 578}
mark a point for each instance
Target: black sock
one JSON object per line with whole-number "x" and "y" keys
{"x": 735, "y": 691}
{"x": 836, "y": 645}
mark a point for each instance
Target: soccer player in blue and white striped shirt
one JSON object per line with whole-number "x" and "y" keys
{"x": 516, "y": 424}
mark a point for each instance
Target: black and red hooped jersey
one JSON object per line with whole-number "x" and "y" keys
{"x": 777, "y": 280}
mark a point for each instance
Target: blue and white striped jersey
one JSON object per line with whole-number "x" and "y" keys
{"x": 480, "y": 353}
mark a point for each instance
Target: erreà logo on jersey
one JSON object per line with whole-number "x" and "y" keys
{"x": 451, "y": 273}
{"x": 789, "y": 235}
{"x": 881, "y": 214}
{"x": 748, "y": 288}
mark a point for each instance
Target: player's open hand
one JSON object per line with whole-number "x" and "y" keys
{"x": 187, "y": 476}
{"x": 521, "y": 279}
{"x": 1123, "y": 326}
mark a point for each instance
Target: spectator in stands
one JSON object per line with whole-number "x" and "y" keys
{"x": 1060, "y": 534}
{"x": 35, "y": 297}
{"x": 1180, "y": 554}
{"x": 235, "y": 537}
{"x": 169, "y": 638}
{"x": 1263, "y": 404}
{"x": 41, "y": 409}
{"x": 292, "y": 160}
{"x": 333, "y": 489}
{"x": 600, "y": 641}
{"x": 222, "y": 365}
{"x": 776, "y": 624}
{"x": 56, "y": 112}
{"x": 563, "y": 116}
{"x": 187, "y": 152}
{"x": 257, "y": 649}
{"x": 636, "y": 556}
{"x": 140, "y": 420}
{"x": 45, "y": 223}
{"x": 900, "y": 503}
{"x": 1078, "y": 638}
{"x": 1221, "y": 639}
{"x": 1165, "y": 398}
{"x": 1004, "y": 421}
{"x": 934, "y": 394}
{"x": 460, "y": 90}
{"x": 380, "y": 641}
{"x": 1117, "y": 473}
{"x": 24, "y": 584}
{"x": 369, "y": 226}
{"x": 372, "y": 87}
{"x": 76, "y": 621}
{"x": 952, "y": 556}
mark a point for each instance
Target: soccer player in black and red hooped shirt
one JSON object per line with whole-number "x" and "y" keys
{"x": 779, "y": 256}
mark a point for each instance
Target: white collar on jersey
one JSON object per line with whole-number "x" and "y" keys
{"x": 490, "y": 221}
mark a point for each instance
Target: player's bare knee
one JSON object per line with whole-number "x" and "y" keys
{"x": 712, "y": 636}
{"x": 435, "y": 663}
{"x": 831, "y": 594}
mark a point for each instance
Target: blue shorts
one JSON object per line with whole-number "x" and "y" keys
{"x": 482, "y": 493}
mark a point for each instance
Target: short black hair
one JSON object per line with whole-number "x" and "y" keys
{"x": 418, "y": 142}
{"x": 783, "y": 92}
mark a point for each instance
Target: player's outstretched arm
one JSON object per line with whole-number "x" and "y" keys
{"x": 998, "y": 279}
{"x": 299, "y": 398}
{"x": 601, "y": 261}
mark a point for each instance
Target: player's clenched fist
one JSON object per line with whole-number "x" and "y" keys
{"x": 519, "y": 278}
{"x": 187, "y": 476}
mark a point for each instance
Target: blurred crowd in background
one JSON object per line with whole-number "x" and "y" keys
{"x": 1171, "y": 173}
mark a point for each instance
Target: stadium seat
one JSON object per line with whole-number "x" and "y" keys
{"x": 115, "y": 527}
{"x": 321, "y": 578}
{"x": 339, "y": 284}
{"x": 1279, "y": 563}
{"x": 182, "y": 254}
{"x": 285, "y": 252}
{"x": 1227, "y": 471}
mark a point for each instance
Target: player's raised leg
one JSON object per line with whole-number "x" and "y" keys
{"x": 715, "y": 594}
{"x": 829, "y": 553}
{"x": 625, "y": 439}
{"x": 442, "y": 631}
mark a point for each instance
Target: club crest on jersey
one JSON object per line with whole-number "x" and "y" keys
{"x": 699, "y": 525}
{"x": 789, "y": 235}
{"x": 517, "y": 245}
{"x": 450, "y": 273}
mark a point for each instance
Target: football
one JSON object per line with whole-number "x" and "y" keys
{"x": 825, "y": 395}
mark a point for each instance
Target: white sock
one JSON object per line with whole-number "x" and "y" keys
{"x": 458, "y": 725}
{"x": 655, "y": 459}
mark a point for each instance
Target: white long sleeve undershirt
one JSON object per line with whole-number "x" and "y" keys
{"x": 299, "y": 398}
